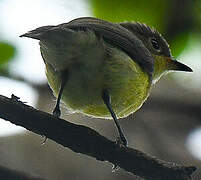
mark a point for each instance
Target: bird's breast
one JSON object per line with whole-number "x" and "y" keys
{"x": 127, "y": 84}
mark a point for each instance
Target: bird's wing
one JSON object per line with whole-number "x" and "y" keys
{"x": 117, "y": 36}
{"x": 114, "y": 34}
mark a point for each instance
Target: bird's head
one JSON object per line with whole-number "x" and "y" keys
{"x": 159, "y": 49}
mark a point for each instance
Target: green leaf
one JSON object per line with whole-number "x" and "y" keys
{"x": 7, "y": 51}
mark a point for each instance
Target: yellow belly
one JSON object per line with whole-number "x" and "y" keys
{"x": 127, "y": 84}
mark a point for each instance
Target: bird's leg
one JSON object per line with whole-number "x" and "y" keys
{"x": 57, "y": 111}
{"x": 64, "y": 79}
{"x": 107, "y": 101}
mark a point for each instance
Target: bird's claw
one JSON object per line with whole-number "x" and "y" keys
{"x": 121, "y": 141}
{"x": 115, "y": 168}
{"x": 57, "y": 112}
{"x": 44, "y": 141}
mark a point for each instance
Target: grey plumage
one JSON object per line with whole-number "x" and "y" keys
{"x": 114, "y": 34}
{"x": 142, "y": 31}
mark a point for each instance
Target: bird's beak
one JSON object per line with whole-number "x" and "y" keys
{"x": 175, "y": 65}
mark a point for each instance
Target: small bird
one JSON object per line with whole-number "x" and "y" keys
{"x": 103, "y": 69}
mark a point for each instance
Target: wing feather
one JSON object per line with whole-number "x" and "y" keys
{"x": 112, "y": 33}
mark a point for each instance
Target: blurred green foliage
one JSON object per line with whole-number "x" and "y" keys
{"x": 131, "y": 10}
{"x": 179, "y": 43}
{"x": 7, "y": 52}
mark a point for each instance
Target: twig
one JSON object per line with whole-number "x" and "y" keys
{"x": 85, "y": 140}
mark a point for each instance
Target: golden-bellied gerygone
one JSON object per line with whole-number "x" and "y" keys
{"x": 103, "y": 69}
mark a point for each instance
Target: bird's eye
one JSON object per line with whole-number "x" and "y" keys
{"x": 155, "y": 44}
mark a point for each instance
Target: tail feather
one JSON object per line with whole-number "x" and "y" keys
{"x": 38, "y": 33}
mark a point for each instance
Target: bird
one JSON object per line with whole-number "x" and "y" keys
{"x": 103, "y": 69}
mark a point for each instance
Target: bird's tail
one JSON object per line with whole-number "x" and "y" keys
{"x": 38, "y": 33}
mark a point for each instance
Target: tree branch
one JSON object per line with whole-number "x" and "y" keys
{"x": 85, "y": 140}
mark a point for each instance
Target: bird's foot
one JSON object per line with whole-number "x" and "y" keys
{"x": 115, "y": 168}
{"x": 44, "y": 141}
{"x": 57, "y": 111}
{"x": 122, "y": 141}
